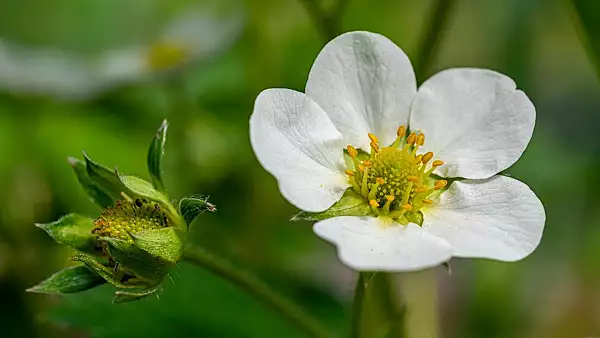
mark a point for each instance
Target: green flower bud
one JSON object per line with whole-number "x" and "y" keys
{"x": 135, "y": 241}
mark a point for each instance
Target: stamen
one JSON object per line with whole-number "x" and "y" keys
{"x": 375, "y": 148}
{"x": 401, "y": 132}
{"x": 427, "y": 201}
{"x": 440, "y": 184}
{"x": 421, "y": 189}
{"x": 427, "y": 157}
{"x": 421, "y": 139}
{"x": 412, "y": 138}
{"x": 349, "y": 172}
{"x": 390, "y": 199}
{"x": 412, "y": 178}
{"x": 419, "y": 158}
{"x": 364, "y": 189}
{"x": 406, "y": 207}
{"x": 352, "y": 151}
{"x": 373, "y": 138}
{"x": 437, "y": 163}
{"x": 374, "y": 203}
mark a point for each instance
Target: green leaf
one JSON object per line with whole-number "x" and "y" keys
{"x": 191, "y": 207}
{"x": 125, "y": 296}
{"x": 141, "y": 263}
{"x": 155, "y": 155}
{"x": 165, "y": 243}
{"x": 351, "y": 204}
{"x": 104, "y": 178}
{"x": 93, "y": 191}
{"x": 588, "y": 13}
{"x": 70, "y": 280}
{"x": 73, "y": 230}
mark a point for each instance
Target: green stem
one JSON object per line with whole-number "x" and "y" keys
{"x": 377, "y": 312}
{"x": 357, "y": 309}
{"x": 419, "y": 290}
{"x": 254, "y": 286}
{"x": 436, "y": 24}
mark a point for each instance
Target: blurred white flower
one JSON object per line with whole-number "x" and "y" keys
{"x": 194, "y": 35}
{"x": 361, "y": 92}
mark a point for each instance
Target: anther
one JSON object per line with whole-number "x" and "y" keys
{"x": 437, "y": 163}
{"x": 379, "y": 180}
{"x": 401, "y": 131}
{"x": 361, "y": 168}
{"x": 440, "y": 184}
{"x": 406, "y": 207}
{"x": 421, "y": 139}
{"x": 427, "y": 157}
{"x": 352, "y": 151}
{"x": 411, "y": 139}
{"x": 427, "y": 201}
{"x": 388, "y": 203}
{"x": 374, "y": 203}
{"x": 412, "y": 178}
{"x": 390, "y": 198}
{"x": 373, "y": 138}
{"x": 375, "y": 147}
{"x": 349, "y": 172}
{"x": 367, "y": 163}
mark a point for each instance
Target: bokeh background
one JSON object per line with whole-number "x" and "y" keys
{"x": 100, "y": 75}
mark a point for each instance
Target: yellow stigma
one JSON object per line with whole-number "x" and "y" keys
{"x": 395, "y": 180}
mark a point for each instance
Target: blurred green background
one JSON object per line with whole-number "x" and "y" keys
{"x": 50, "y": 110}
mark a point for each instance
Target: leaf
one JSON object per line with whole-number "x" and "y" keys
{"x": 351, "y": 204}
{"x": 70, "y": 280}
{"x": 192, "y": 207}
{"x": 165, "y": 243}
{"x": 104, "y": 178}
{"x": 73, "y": 230}
{"x": 126, "y": 296}
{"x": 155, "y": 155}
{"x": 588, "y": 13}
{"x": 93, "y": 191}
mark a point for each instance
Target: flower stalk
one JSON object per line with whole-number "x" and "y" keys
{"x": 247, "y": 282}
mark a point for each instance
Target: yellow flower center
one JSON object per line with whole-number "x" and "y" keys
{"x": 164, "y": 56}
{"x": 129, "y": 217}
{"x": 396, "y": 180}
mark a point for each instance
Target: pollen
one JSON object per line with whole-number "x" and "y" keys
{"x": 130, "y": 217}
{"x": 396, "y": 180}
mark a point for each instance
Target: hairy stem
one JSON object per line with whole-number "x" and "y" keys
{"x": 258, "y": 289}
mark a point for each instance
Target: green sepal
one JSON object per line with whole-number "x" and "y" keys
{"x": 104, "y": 178}
{"x": 139, "y": 262}
{"x": 75, "y": 231}
{"x": 139, "y": 188}
{"x": 126, "y": 296}
{"x": 351, "y": 204}
{"x": 70, "y": 280}
{"x": 165, "y": 243}
{"x": 191, "y": 207}
{"x": 110, "y": 275}
{"x": 155, "y": 155}
{"x": 93, "y": 191}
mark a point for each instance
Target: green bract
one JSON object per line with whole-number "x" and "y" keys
{"x": 135, "y": 241}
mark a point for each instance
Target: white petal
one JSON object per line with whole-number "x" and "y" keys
{"x": 365, "y": 83}
{"x": 497, "y": 218}
{"x": 296, "y": 142}
{"x": 475, "y": 120}
{"x": 370, "y": 244}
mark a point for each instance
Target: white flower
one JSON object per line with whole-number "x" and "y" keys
{"x": 361, "y": 92}
{"x": 196, "y": 34}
